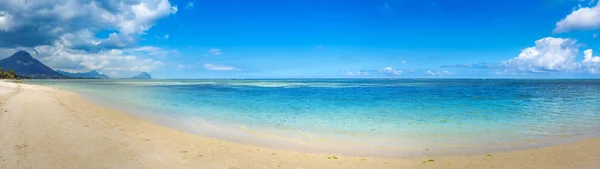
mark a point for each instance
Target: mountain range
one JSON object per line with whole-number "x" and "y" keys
{"x": 25, "y": 65}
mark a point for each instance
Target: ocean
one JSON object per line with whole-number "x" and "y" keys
{"x": 379, "y": 117}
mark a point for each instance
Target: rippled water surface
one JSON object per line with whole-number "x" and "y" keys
{"x": 395, "y": 115}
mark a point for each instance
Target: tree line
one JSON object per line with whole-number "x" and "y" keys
{"x": 10, "y": 74}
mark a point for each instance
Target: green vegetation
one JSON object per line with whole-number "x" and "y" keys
{"x": 10, "y": 74}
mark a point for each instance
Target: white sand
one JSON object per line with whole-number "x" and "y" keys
{"x": 42, "y": 127}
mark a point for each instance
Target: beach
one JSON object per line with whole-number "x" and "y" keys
{"x": 42, "y": 127}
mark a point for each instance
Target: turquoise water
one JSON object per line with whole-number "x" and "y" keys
{"x": 397, "y": 117}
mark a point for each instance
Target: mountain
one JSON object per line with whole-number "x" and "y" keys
{"x": 86, "y": 75}
{"x": 25, "y": 65}
{"x": 142, "y": 75}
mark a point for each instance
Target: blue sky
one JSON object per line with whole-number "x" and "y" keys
{"x": 394, "y": 38}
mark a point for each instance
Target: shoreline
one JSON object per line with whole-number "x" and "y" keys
{"x": 293, "y": 139}
{"x": 303, "y": 142}
{"x": 66, "y": 131}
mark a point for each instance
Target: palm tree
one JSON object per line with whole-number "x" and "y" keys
{"x": 10, "y": 74}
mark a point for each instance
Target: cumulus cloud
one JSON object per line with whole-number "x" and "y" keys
{"x": 548, "y": 54}
{"x": 590, "y": 63}
{"x": 391, "y": 71}
{"x": 5, "y": 21}
{"x": 41, "y": 22}
{"x": 63, "y": 33}
{"x": 438, "y": 73}
{"x": 143, "y": 16}
{"x": 209, "y": 66}
{"x": 119, "y": 62}
{"x": 588, "y": 58}
{"x": 586, "y": 18}
{"x": 116, "y": 62}
{"x": 552, "y": 55}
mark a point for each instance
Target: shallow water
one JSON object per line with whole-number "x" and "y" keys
{"x": 397, "y": 117}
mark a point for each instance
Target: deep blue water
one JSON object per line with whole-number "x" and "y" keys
{"x": 395, "y": 113}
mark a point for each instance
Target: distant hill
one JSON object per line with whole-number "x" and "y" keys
{"x": 142, "y": 75}
{"x": 25, "y": 65}
{"x": 86, "y": 75}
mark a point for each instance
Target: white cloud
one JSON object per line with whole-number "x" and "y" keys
{"x": 403, "y": 62}
{"x": 63, "y": 32}
{"x": 586, "y": 18}
{"x": 552, "y": 55}
{"x": 215, "y": 52}
{"x": 190, "y": 5}
{"x": 44, "y": 21}
{"x": 5, "y": 21}
{"x": 144, "y": 15}
{"x": 85, "y": 40}
{"x": 438, "y": 73}
{"x": 120, "y": 62}
{"x": 590, "y": 63}
{"x": 548, "y": 54}
{"x": 209, "y": 66}
{"x": 588, "y": 58}
{"x": 391, "y": 71}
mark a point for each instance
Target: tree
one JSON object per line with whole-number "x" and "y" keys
{"x": 10, "y": 74}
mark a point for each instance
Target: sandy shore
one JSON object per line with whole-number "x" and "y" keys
{"x": 41, "y": 127}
